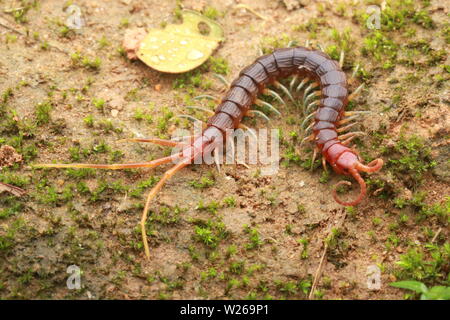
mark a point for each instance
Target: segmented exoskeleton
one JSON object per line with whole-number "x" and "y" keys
{"x": 326, "y": 122}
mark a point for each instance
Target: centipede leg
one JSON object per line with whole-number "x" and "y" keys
{"x": 222, "y": 79}
{"x": 347, "y": 127}
{"x": 324, "y": 164}
{"x": 208, "y": 97}
{"x": 355, "y": 93}
{"x": 261, "y": 103}
{"x": 351, "y": 134}
{"x": 346, "y": 120}
{"x": 217, "y": 159}
{"x": 341, "y": 59}
{"x": 314, "y": 158}
{"x": 253, "y": 113}
{"x": 186, "y": 116}
{"x": 167, "y": 175}
{"x": 285, "y": 90}
{"x": 313, "y": 95}
{"x": 210, "y": 112}
{"x": 293, "y": 81}
{"x": 252, "y": 132}
{"x": 308, "y": 138}
{"x": 301, "y": 84}
{"x": 275, "y": 95}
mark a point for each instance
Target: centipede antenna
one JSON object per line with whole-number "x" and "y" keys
{"x": 285, "y": 90}
{"x": 252, "y": 113}
{"x": 321, "y": 48}
{"x": 275, "y": 95}
{"x": 207, "y": 96}
{"x": 222, "y": 79}
{"x": 311, "y": 96}
{"x": 355, "y": 93}
{"x": 167, "y": 175}
{"x": 261, "y": 103}
{"x": 341, "y": 59}
{"x": 293, "y": 81}
{"x": 184, "y": 138}
{"x": 210, "y": 112}
{"x": 307, "y": 118}
{"x": 115, "y": 166}
{"x": 302, "y": 83}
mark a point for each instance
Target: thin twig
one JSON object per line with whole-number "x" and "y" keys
{"x": 322, "y": 259}
{"x": 318, "y": 272}
{"x": 436, "y": 235}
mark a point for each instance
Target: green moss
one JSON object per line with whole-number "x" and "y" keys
{"x": 89, "y": 120}
{"x": 218, "y": 65}
{"x": 89, "y": 63}
{"x": 204, "y": 182}
{"x": 446, "y": 33}
{"x": 230, "y": 201}
{"x": 13, "y": 206}
{"x": 422, "y": 18}
{"x": 212, "y": 13}
{"x": 192, "y": 79}
{"x": 269, "y": 44}
{"x": 210, "y": 232}
{"x": 98, "y": 103}
{"x": 42, "y": 112}
{"x": 254, "y": 237}
{"x": 409, "y": 159}
{"x": 427, "y": 264}
{"x": 211, "y": 207}
{"x": 142, "y": 186}
{"x": 381, "y": 48}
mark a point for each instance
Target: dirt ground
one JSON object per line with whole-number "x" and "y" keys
{"x": 68, "y": 96}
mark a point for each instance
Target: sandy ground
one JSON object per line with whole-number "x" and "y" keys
{"x": 101, "y": 236}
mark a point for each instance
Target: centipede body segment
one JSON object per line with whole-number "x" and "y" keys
{"x": 300, "y": 62}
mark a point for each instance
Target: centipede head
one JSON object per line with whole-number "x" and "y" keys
{"x": 350, "y": 164}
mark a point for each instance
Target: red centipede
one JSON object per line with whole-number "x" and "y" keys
{"x": 314, "y": 66}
